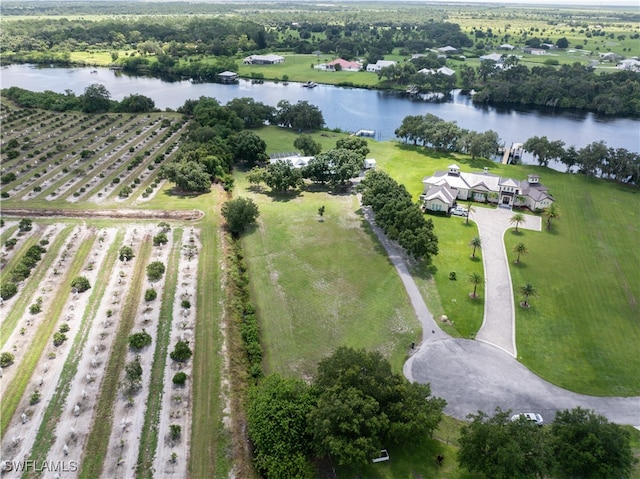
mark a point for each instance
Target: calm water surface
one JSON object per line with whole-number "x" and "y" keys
{"x": 349, "y": 109}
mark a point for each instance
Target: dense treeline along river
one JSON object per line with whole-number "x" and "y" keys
{"x": 349, "y": 109}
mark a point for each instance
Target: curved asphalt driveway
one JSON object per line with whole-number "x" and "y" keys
{"x": 498, "y": 326}
{"x": 482, "y": 375}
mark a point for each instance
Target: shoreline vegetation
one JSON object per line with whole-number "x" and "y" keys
{"x": 567, "y": 59}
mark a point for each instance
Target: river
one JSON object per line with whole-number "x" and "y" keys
{"x": 349, "y": 109}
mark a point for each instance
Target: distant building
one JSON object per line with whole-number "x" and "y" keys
{"x": 448, "y": 49}
{"x": 506, "y": 46}
{"x": 534, "y": 51}
{"x": 228, "y": 77}
{"x": 295, "y": 159}
{"x": 443, "y": 70}
{"x": 632, "y": 64}
{"x": 263, "y": 59}
{"x": 379, "y": 65}
{"x": 340, "y": 64}
{"x": 445, "y": 187}
{"x": 610, "y": 56}
{"x": 369, "y": 163}
{"x": 496, "y": 57}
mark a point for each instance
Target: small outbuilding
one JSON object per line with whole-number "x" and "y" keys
{"x": 369, "y": 164}
{"x": 228, "y": 77}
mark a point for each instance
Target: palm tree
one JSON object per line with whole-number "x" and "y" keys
{"x": 475, "y": 279}
{"x": 475, "y": 242}
{"x": 551, "y": 212}
{"x": 471, "y": 209}
{"x": 520, "y": 249}
{"x": 517, "y": 218}
{"x": 528, "y": 291}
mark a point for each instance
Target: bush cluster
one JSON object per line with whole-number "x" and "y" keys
{"x": 139, "y": 340}
{"x": 22, "y": 270}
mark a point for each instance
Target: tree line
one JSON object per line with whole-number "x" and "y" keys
{"x": 595, "y": 159}
{"x": 219, "y": 136}
{"x": 432, "y": 131}
{"x": 399, "y": 217}
{"x": 578, "y": 443}
{"x": 95, "y": 99}
{"x": 569, "y": 86}
{"x": 355, "y": 407}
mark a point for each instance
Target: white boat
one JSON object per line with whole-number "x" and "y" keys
{"x": 310, "y": 84}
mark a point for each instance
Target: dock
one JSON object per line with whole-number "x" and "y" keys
{"x": 512, "y": 153}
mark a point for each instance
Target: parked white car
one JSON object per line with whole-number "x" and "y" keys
{"x": 529, "y": 416}
{"x": 459, "y": 211}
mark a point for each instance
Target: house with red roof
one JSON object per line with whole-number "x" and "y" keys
{"x": 340, "y": 64}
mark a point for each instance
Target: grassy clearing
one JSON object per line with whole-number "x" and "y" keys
{"x": 297, "y": 67}
{"x": 582, "y": 330}
{"x": 44, "y": 437}
{"x": 149, "y": 436}
{"x": 322, "y": 284}
{"x": 32, "y": 357}
{"x": 98, "y": 439}
{"x": 210, "y": 442}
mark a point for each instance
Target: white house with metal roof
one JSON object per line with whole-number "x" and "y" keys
{"x": 379, "y": 65}
{"x": 269, "y": 59}
{"x": 443, "y": 188}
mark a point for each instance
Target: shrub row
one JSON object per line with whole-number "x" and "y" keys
{"x": 22, "y": 270}
{"x": 245, "y": 311}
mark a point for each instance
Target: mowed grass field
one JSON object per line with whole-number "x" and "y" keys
{"x": 322, "y": 284}
{"x": 581, "y": 332}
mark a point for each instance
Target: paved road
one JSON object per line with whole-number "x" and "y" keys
{"x": 482, "y": 375}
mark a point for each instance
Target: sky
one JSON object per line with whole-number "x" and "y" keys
{"x": 592, "y": 3}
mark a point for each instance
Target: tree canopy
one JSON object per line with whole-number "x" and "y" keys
{"x": 504, "y": 449}
{"x": 587, "y": 445}
{"x": 188, "y": 176}
{"x": 301, "y": 116}
{"x": 239, "y": 213}
{"x": 399, "y": 217}
{"x": 277, "y": 414}
{"x": 363, "y": 406}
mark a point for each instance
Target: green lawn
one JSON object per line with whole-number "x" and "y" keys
{"x": 582, "y": 331}
{"x": 322, "y": 284}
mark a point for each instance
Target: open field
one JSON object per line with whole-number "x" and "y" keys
{"x": 322, "y": 284}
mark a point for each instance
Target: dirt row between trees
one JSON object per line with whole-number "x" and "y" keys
{"x": 124, "y": 213}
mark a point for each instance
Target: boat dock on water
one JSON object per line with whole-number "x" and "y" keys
{"x": 512, "y": 153}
